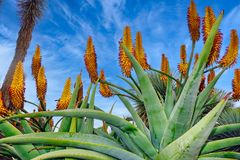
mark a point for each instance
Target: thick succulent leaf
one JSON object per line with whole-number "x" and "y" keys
{"x": 220, "y": 144}
{"x": 225, "y": 128}
{"x": 127, "y": 141}
{"x": 157, "y": 118}
{"x": 134, "y": 114}
{"x": 65, "y": 142}
{"x": 87, "y": 125}
{"x": 137, "y": 136}
{"x": 215, "y": 158}
{"x": 22, "y": 150}
{"x": 180, "y": 118}
{"x": 169, "y": 101}
{"x": 203, "y": 97}
{"x": 66, "y": 122}
{"x": 223, "y": 154}
{"x": 75, "y": 153}
{"x": 26, "y": 126}
{"x": 188, "y": 146}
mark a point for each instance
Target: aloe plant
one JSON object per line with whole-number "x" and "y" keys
{"x": 179, "y": 127}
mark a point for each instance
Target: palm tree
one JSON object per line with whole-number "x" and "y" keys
{"x": 30, "y": 12}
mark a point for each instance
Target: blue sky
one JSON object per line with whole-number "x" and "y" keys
{"x": 63, "y": 30}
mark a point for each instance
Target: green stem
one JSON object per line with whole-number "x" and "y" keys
{"x": 31, "y": 103}
{"x": 113, "y": 85}
{"x": 136, "y": 84}
{"x": 155, "y": 70}
{"x": 215, "y": 67}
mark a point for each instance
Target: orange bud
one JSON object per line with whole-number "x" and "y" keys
{"x": 208, "y": 22}
{"x": 139, "y": 52}
{"x": 66, "y": 96}
{"x": 17, "y": 87}
{"x": 41, "y": 84}
{"x": 124, "y": 61}
{"x": 193, "y": 21}
{"x": 105, "y": 91}
{"x": 164, "y": 67}
{"x": 231, "y": 54}
{"x": 211, "y": 76}
{"x": 183, "y": 54}
{"x": 236, "y": 85}
{"x": 90, "y": 59}
{"x": 36, "y": 62}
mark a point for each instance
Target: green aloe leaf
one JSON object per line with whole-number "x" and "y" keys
{"x": 225, "y": 128}
{"x": 75, "y": 153}
{"x": 220, "y": 144}
{"x": 188, "y": 146}
{"x": 137, "y": 136}
{"x": 215, "y": 158}
{"x": 133, "y": 113}
{"x": 22, "y": 150}
{"x": 169, "y": 101}
{"x": 26, "y": 126}
{"x": 180, "y": 118}
{"x": 157, "y": 118}
{"x": 203, "y": 97}
{"x": 64, "y": 142}
{"x": 223, "y": 154}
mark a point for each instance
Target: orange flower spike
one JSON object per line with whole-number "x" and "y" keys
{"x": 66, "y": 96}
{"x": 36, "y": 62}
{"x": 211, "y": 76}
{"x": 230, "y": 57}
{"x": 208, "y": 22}
{"x": 193, "y": 22}
{"x": 90, "y": 60}
{"x": 3, "y": 110}
{"x": 17, "y": 87}
{"x": 236, "y": 85}
{"x": 139, "y": 52}
{"x": 41, "y": 84}
{"x": 104, "y": 90}
{"x": 183, "y": 65}
{"x": 124, "y": 61}
{"x": 164, "y": 67}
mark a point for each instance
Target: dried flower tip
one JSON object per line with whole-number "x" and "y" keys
{"x": 66, "y": 96}
{"x": 17, "y": 87}
{"x": 41, "y": 84}
{"x": 211, "y": 76}
{"x": 36, "y": 62}
{"x": 182, "y": 68}
{"x": 231, "y": 54}
{"x": 124, "y": 61}
{"x": 139, "y": 52}
{"x": 90, "y": 60}
{"x": 104, "y": 90}
{"x": 193, "y": 21}
{"x": 208, "y": 22}
{"x": 236, "y": 85}
{"x": 202, "y": 84}
{"x": 164, "y": 67}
